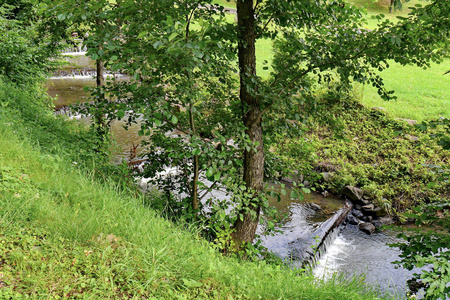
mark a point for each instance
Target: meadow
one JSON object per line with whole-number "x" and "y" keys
{"x": 422, "y": 94}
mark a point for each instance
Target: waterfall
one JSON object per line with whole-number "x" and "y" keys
{"x": 78, "y": 49}
{"x": 308, "y": 248}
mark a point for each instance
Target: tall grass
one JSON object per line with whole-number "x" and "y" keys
{"x": 51, "y": 193}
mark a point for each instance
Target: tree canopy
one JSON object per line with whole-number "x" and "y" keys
{"x": 195, "y": 90}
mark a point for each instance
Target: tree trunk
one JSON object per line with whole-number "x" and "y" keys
{"x": 196, "y": 162}
{"x": 100, "y": 78}
{"x": 253, "y": 160}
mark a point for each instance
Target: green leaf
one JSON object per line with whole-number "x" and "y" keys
{"x": 172, "y": 36}
{"x": 142, "y": 34}
{"x": 209, "y": 172}
{"x": 174, "y": 119}
{"x": 217, "y": 176}
{"x": 294, "y": 194}
{"x": 120, "y": 114}
{"x": 157, "y": 44}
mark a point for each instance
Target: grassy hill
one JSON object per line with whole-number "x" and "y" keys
{"x": 66, "y": 234}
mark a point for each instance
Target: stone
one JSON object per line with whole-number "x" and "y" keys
{"x": 352, "y": 219}
{"x": 380, "y": 110}
{"x": 315, "y": 206}
{"x": 325, "y": 193}
{"x": 306, "y": 183}
{"x": 365, "y": 201}
{"x": 368, "y": 207}
{"x": 368, "y": 228}
{"x": 287, "y": 179}
{"x": 327, "y": 176}
{"x": 367, "y": 218}
{"x": 412, "y": 138}
{"x": 380, "y": 212}
{"x": 408, "y": 121}
{"x": 353, "y": 193}
{"x": 382, "y": 221}
{"x": 357, "y": 213}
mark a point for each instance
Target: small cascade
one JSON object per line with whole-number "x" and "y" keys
{"x": 65, "y": 110}
{"x": 84, "y": 72}
{"x": 78, "y": 49}
{"x": 309, "y": 247}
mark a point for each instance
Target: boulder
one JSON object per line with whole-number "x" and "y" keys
{"x": 368, "y": 228}
{"x": 353, "y": 193}
{"x": 327, "y": 176}
{"x": 357, "y": 213}
{"x": 382, "y": 221}
{"x": 352, "y": 219}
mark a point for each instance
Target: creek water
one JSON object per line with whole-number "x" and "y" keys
{"x": 349, "y": 252}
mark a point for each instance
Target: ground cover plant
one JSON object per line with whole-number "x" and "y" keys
{"x": 63, "y": 234}
{"x": 396, "y": 164}
{"x": 190, "y": 86}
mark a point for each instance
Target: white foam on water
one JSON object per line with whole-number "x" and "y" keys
{"x": 85, "y": 77}
{"x": 331, "y": 261}
{"x": 74, "y": 53}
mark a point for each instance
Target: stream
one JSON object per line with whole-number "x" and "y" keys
{"x": 348, "y": 251}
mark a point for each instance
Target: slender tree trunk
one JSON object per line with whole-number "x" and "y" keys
{"x": 196, "y": 162}
{"x": 100, "y": 119}
{"x": 253, "y": 160}
{"x": 100, "y": 82}
{"x": 100, "y": 78}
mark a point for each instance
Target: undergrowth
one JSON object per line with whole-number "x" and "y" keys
{"x": 66, "y": 234}
{"x": 396, "y": 164}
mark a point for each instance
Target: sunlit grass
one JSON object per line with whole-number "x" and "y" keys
{"x": 422, "y": 94}
{"x": 169, "y": 262}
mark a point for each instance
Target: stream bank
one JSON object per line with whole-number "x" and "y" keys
{"x": 303, "y": 218}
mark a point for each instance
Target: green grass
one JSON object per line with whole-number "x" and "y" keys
{"x": 64, "y": 234}
{"x": 422, "y": 94}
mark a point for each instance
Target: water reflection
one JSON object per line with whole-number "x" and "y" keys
{"x": 70, "y": 90}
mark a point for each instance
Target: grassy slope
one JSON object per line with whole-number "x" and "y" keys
{"x": 54, "y": 225}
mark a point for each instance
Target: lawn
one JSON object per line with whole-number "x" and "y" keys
{"x": 421, "y": 94}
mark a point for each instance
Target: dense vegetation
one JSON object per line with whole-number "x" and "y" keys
{"x": 71, "y": 229}
{"x": 64, "y": 234}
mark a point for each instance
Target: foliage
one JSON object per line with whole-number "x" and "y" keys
{"x": 427, "y": 248}
{"x": 183, "y": 90}
{"x": 21, "y": 60}
{"x": 64, "y": 234}
{"x": 362, "y": 147}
